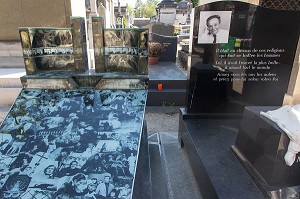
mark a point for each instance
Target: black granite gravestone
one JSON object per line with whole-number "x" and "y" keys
{"x": 170, "y": 43}
{"x": 242, "y": 56}
{"x": 258, "y": 52}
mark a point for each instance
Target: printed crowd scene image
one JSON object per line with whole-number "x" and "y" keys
{"x": 71, "y": 144}
{"x": 47, "y": 48}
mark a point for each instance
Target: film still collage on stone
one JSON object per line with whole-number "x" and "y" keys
{"x": 126, "y": 50}
{"x": 73, "y": 144}
{"x": 47, "y": 48}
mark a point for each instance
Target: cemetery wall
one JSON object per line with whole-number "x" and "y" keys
{"x": 32, "y": 13}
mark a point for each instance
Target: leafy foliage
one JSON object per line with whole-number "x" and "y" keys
{"x": 195, "y": 3}
{"x": 155, "y": 2}
{"x": 147, "y": 9}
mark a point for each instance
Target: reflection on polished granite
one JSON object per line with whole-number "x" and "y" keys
{"x": 71, "y": 143}
{"x": 89, "y": 79}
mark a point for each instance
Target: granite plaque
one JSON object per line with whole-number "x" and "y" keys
{"x": 170, "y": 44}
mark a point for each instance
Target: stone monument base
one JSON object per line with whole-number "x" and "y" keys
{"x": 260, "y": 147}
{"x": 216, "y": 162}
{"x": 173, "y": 83}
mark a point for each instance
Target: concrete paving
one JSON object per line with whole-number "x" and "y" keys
{"x": 180, "y": 179}
{"x": 176, "y": 177}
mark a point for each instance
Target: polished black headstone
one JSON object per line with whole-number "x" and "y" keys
{"x": 260, "y": 146}
{"x": 259, "y": 56}
{"x": 209, "y": 96}
{"x": 251, "y": 67}
{"x": 170, "y": 44}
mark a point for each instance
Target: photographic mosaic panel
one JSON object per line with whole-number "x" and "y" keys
{"x": 124, "y": 63}
{"x": 47, "y": 49}
{"x": 71, "y": 144}
{"x": 121, "y": 38}
{"x": 124, "y": 48}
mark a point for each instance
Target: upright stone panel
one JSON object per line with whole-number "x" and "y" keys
{"x": 126, "y": 50}
{"x": 47, "y": 49}
{"x": 98, "y": 25}
{"x": 79, "y": 44}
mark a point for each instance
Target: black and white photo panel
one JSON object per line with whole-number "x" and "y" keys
{"x": 71, "y": 144}
{"x": 47, "y": 48}
{"x": 214, "y": 27}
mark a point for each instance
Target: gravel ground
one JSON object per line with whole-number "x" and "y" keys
{"x": 162, "y": 119}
